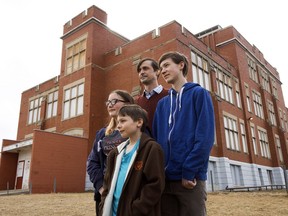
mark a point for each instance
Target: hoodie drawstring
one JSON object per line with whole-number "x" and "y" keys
{"x": 180, "y": 97}
{"x": 171, "y": 103}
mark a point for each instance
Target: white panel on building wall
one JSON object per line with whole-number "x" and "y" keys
{"x": 246, "y": 174}
{"x": 212, "y": 184}
{"x": 25, "y": 155}
{"x": 20, "y": 168}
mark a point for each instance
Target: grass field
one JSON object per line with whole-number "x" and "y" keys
{"x": 260, "y": 203}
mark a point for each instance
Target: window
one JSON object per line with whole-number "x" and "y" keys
{"x": 261, "y": 176}
{"x": 211, "y": 176}
{"x": 264, "y": 145}
{"x": 285, "y": 120}
{"x": 252, "y": 70}
{"x": 200, "y": 70}
{"x": 279, "y": 150}
{"x": 52, "y": 102}
{"x": 236, "y": 174}
{"x": 271, "y": 112}
{"x": 274, "y": 88}
{"x": 248, "y": 98}
{"x": 265, "y": 80}
{"x": 243, "y": 138}
{"x": 281, "y": 115}
{"x": 238, "y": 97}
{"x": 75, "y": 58}
{"x": 34, "y": 110}
{"x": 231, "y": 133}
{"x": 73, "y": 101}
{"x": 224, "y": 85}
{"x": 270, "y": 177}
{"x": 254, "y": 140}
{"x": 257, "y": 102}
{"x": 286, "y": 145}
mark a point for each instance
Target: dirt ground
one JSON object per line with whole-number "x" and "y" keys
{"x": 264, "y": 203}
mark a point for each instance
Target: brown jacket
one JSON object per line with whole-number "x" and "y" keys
{"x": 145, "y": 181}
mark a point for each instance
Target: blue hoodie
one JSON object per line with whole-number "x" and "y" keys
{"x": 184, "y": 126}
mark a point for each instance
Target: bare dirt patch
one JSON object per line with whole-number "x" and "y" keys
{"x": 264, "y": 203}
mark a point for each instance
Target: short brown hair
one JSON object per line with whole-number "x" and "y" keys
{"x": 154, "y": 64}
{"x": 176, "y": 58}
{"x": 135, "y": 112}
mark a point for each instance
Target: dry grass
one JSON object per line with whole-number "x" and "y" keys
{"x": 264, "y": 203}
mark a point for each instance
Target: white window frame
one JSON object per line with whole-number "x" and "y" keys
{"x": 264, "y": 144}
{"x": 76, "y": 54}
{"x": 73, "y": 101}
{"x": 52, "y": 104}
{"x": 243, "y": 137}
{"x": 200, "y": 73}
{"x": 257, "y": 102}
{"x": 279, "y": 149}
{"x": 231, "y": 133}
{"x": 34, "y": 110}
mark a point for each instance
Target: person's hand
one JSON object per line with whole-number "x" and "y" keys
{"x": 101, "y": 190}
{"x": 188, "y": 183}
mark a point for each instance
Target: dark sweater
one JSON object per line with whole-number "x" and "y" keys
{"x": 150, "y": 104}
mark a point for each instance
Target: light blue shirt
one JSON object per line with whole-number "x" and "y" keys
{"x": 157, "y": 90}
{"x": 121, "y": 176}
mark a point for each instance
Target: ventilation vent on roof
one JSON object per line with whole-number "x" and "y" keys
{"x": 56, "y": 79}
{"x": 208, "y": 31}
{"x": 69, "y": 23}
{"x": 156, "y": 33}
{"x": 183, "y": 30}
{"x": 118, "y": 51}
{"x": 84, "y": 13}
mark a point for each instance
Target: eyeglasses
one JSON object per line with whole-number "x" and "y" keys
{"x": 113, "y": 102}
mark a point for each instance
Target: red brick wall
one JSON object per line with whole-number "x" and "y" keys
{"x": 93, "y": 11}
{"x": 23, "y": 127}
{"x": 60, "y": 157}
{"x": 8, "y": 167}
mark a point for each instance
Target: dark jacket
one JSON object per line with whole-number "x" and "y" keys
{"x": 95, "y": 162}
{"x": 144, "y": 183}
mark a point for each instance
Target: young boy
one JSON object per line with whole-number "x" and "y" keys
{"x": 184, "y": 126}
{"x": 134, "y": 179}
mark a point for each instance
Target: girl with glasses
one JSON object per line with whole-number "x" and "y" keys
{"x": 107, "y": 138}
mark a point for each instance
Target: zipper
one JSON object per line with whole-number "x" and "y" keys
{"x": 172, "y": 127}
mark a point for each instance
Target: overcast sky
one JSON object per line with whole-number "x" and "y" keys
{"x": 31, "y": 46}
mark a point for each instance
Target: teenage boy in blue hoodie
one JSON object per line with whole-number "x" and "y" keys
{"x": 184, "y": 126}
